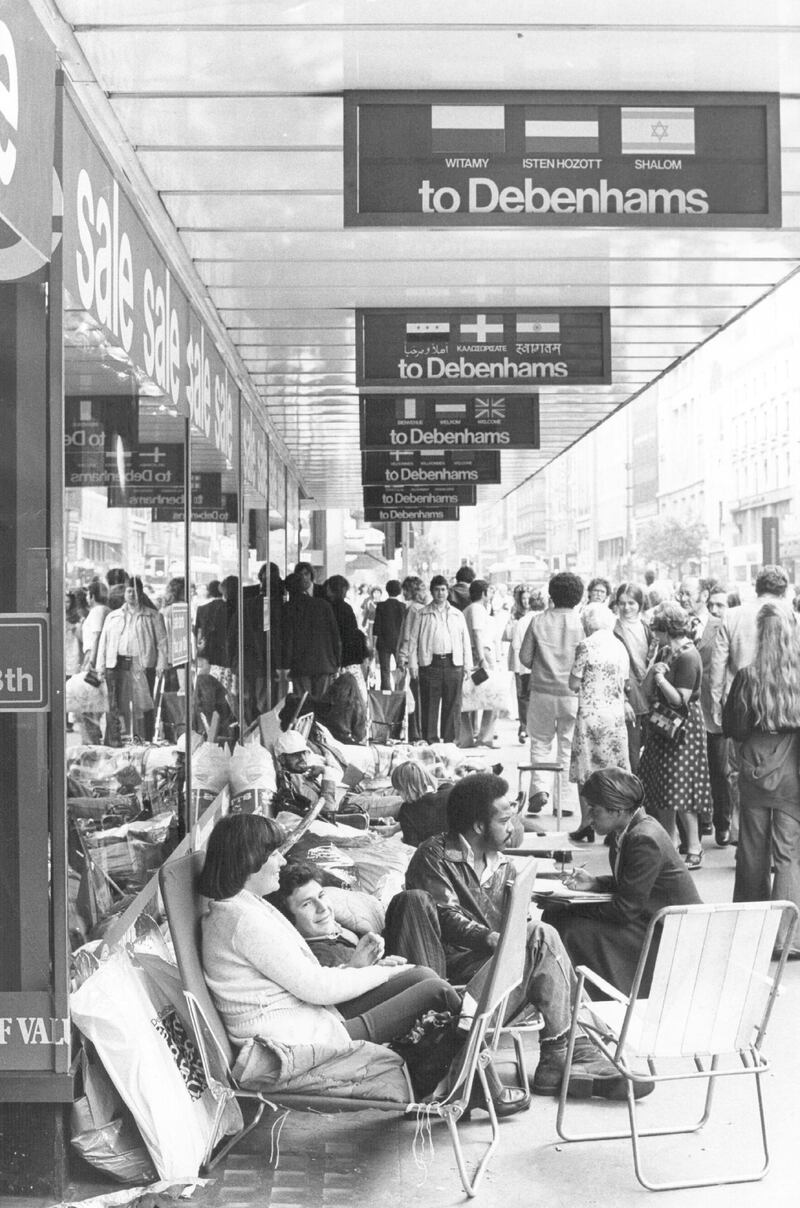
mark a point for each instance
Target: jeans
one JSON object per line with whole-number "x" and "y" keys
{"x": 717, "y": 748}
{"x": 548, "y": 982}
{"x": 388, "y": 1011}
{"x": 768, "y": 838}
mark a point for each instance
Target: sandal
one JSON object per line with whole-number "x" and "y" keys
{"x": 694, "y": 859}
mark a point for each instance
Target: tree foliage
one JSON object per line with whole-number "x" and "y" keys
{"x": 671, "y": 540}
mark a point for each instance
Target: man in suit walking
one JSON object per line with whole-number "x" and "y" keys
{"x": 386, "y": 629}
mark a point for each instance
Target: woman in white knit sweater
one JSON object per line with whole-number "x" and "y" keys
{"x": 264, "y": 978}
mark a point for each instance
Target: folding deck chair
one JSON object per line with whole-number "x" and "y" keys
{"x": 704, "y": 1017}
{"x": 183, "y": 906}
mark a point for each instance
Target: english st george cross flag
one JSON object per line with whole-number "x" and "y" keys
{"x": 661, "y": 130}
{"x": 562, "y": 128}
{"x": 467, "y": 129}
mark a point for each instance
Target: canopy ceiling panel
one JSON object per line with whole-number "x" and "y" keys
{"x": 228, "y": 118}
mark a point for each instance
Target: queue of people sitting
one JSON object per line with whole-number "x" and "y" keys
{"x": 280, "y": 969}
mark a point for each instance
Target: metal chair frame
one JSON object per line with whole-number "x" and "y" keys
{"x": 503, "y": 974}
{"x": 710, "y": 999}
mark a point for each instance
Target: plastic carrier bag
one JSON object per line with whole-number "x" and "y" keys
{"x": 145, "y": 1046}
{"x": 102, "y": 1130}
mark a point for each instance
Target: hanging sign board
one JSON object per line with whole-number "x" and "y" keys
{"x": 146, "y": 474}
{"x": 450, "y": 421}
{"x": 431, "y": 467}
{"x": 414, "y": 496}
{"x": 387, "y": 515}
{"x": 99, "y": 434}
{"x": 483, "y": 349}
{"x": 571, "y": 159}
{"x": 224, "y": 512}
{"x": 24, "y": 663}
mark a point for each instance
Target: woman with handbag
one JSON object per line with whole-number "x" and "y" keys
{"x": 674, "y": 763}
{"x": 762, "y": 713}
{"x": 515, "y": 630}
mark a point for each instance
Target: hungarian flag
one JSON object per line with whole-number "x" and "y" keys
{"x": 537, "y": 325}
{"x": 562, "y": 128}
{"x": 481, "y": 329}
{"x": 467, "y": 129}
{"x": 659, "y": 130}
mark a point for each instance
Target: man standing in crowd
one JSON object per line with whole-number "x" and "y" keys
{"x": 439, "y": 657}
{"x": 458, "y": 594}
{"x": 694, "y": 594}
{"x": 313, "y": 647}
{"x": 414, "y": 597}
{"x": 386, "y": 630}
{"x": 465, "y": 872}
{"x": 548, "y": 648}
{"x": 477, "y": 729}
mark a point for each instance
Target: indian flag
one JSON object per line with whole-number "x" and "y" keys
{"x": 660, "y": 130}
{"x": 449, "y": 409}
{"x": 550, "y": 128}
{"x": 424, "y": 332}
{"x": 467, "y": 129}
{"x": 409, "y": 408}
{"x": 538, "y": 325}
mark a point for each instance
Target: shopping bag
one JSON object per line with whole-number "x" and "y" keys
{"x": 102, "y": 1130}
{"x": 135, "y": 1039}
{"x": 387, "y": 711}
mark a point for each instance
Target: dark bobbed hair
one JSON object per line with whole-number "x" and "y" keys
{"x": 300, "y": 566}
{"x": 630, "y": 589}
{"x": 393, "y": 588}
{"x": 116, "y": 576}
{"x": 437, "y": 581}
{"x": 465, "y": 574}
{"x": 671, "y": 619}
{"x": 615, "y": 788}
{"x": 292, "y": 876}
{"x": 238, "y": 846}
{"x": 214, "y": 589}
{"x": 471, "y": 800}
{"x": 565, "y": 589}
{"x": 478, "y": 589}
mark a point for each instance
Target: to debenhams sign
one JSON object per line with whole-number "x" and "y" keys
{"x": 618, "y": 159}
